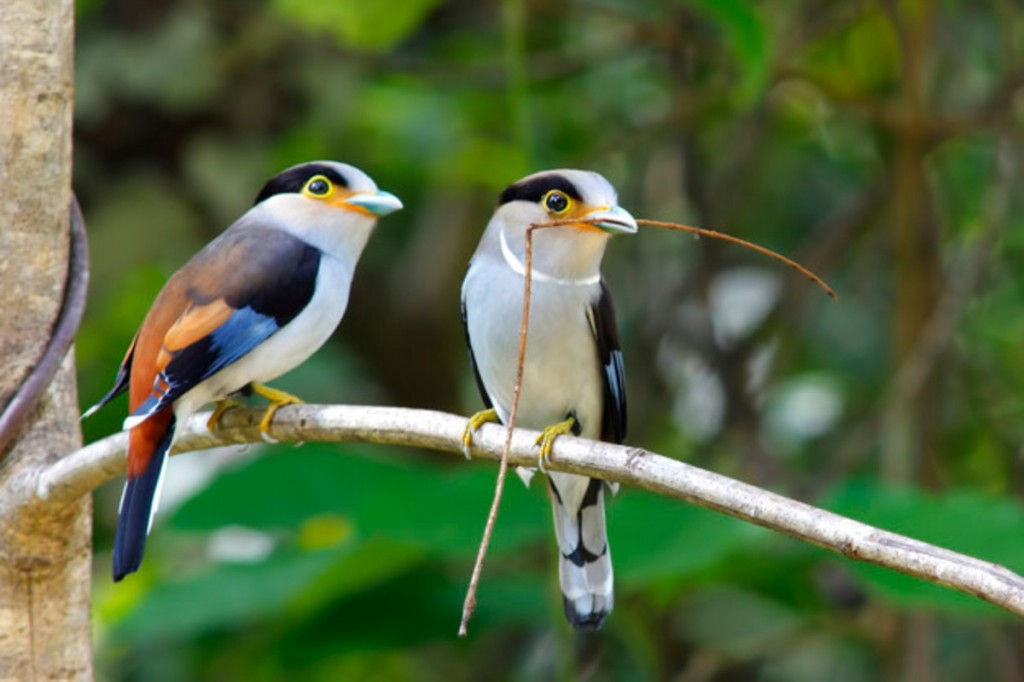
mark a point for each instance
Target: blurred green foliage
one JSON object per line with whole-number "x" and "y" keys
{"x": 879, "y": 142}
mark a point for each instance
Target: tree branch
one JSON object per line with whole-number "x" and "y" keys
{"x": 81, "y": 471}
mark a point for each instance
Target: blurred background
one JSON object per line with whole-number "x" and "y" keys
{"x": 877, "y": 142}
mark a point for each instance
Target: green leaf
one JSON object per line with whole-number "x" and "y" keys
{"x": 655, "y": 538}
{"x": 291, "y": 580}
{"x": 745, "y": 34}
{"x": 440, "y": 508}
{"x": 372, "y": 26}
{"x": 422, "y": 606}
{"x": 985, "y": 527}
{"x": 863, "y": 56}
{"x": 963, "y": 169}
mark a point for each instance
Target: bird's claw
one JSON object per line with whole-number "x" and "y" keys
{"x": 213, "y": 423}
{"x": 473, "y": 425}
{"x": 278, "y": 399}
{"x": 546, "y": 440}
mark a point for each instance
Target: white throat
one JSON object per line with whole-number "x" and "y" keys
{"x": 536, "y": 275}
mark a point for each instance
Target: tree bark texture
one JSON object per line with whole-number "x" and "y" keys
{"x": 44, "y": 547}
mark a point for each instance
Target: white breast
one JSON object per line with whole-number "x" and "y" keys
{"x": 288, "y": 347}
{"x": 561, "y": 372}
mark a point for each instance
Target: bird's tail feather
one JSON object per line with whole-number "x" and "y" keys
{"x": 585, "y": 562}
{"x": 139, "y": 502}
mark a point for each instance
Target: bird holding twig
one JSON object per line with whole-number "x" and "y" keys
{"x": 572, "y": 378}
{"x": 253, "y": 304}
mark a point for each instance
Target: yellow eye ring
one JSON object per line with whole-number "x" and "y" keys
{"x": 318, "y": 186}
{"x": 556, "y": 202}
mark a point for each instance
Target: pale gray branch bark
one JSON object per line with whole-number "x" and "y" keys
{"x": 82, "y": 470}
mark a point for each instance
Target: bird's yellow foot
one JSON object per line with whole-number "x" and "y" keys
{"x": 546, "y": 439}
{"x": 278, "y": 399}
{"x": 474, "y": 423}
{"x": 213, "y": 423}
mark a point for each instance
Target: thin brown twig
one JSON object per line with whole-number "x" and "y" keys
{"x": 469, "y": 604}
{"x": 743, "y": 242}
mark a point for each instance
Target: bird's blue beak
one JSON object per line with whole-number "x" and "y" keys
{"x": 615, "y": 220}
{"x": 379, "y": 203}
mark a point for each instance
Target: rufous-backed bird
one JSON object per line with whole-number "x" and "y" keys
{"x": 253, "y": 304}
{"x": 573, "y": 379}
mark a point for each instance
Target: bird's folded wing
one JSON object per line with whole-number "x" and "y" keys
{"x": 613, "y": 375}
{"x": 237, "y": 292}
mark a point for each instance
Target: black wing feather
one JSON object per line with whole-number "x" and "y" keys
{"x": 121, "y": 381}
{"x": 613, "y": 374}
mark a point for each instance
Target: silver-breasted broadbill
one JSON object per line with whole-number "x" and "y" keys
{"x": 573, "y": 379}
{"x": 253, "y": 304}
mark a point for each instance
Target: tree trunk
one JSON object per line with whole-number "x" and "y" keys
{"x": 44, "y": 548}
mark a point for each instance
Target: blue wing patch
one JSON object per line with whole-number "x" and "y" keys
{"x": 195, "y": 363}
{"x": 239, "y": 334}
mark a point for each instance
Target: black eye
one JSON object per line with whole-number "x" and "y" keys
{"x": 318, "y": 186}
{"x": 556, "y": 202}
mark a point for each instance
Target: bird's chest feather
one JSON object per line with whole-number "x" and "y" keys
{"x": 560, "y": 373}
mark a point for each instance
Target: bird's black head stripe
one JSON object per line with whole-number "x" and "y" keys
{"x": 294, "y": 179}
{"x": 534, "y": 189}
